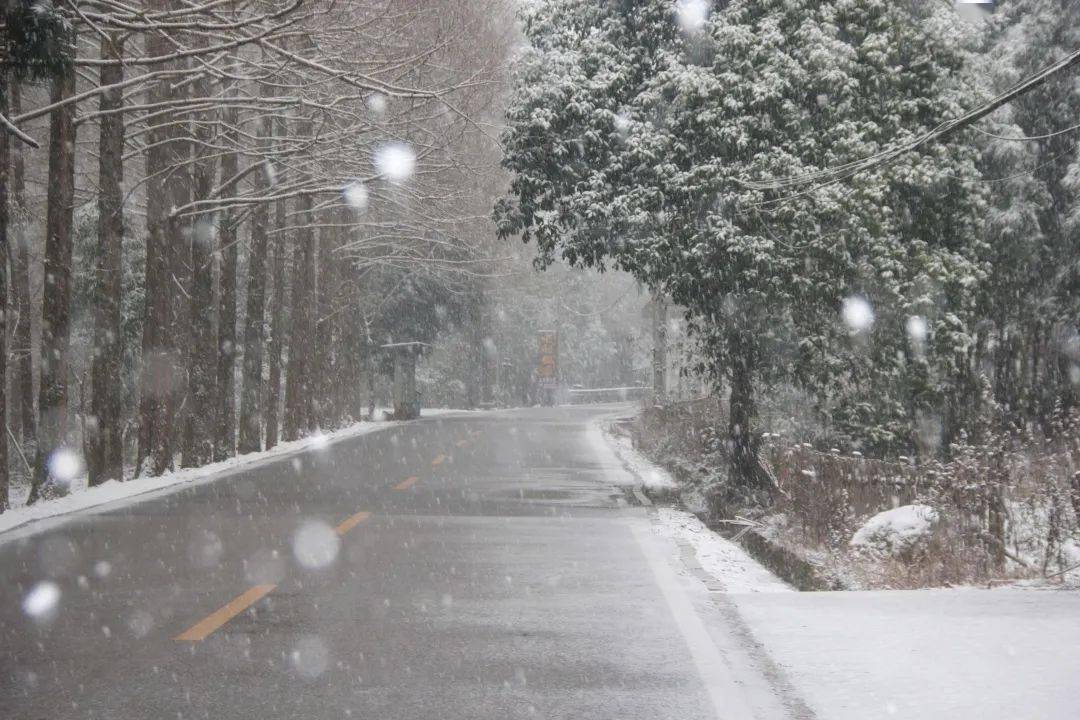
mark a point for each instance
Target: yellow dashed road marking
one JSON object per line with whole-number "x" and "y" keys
{"x": 406, "y": 483}
{"x": 438, "y": 460}
{"x": 200, "y": 630}
{"x": 350, "y": 523}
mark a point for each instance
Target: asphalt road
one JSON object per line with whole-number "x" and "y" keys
{"x": 476, "y": 566}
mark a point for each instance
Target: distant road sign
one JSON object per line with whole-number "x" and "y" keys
{"x": 548, "y": 366}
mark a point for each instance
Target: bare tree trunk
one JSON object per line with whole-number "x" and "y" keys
{"x": 5, "y": 162}
{"x": 254, "y": 330}
{"x": 996, "y": 509}
{"x": 105, "y": 459}
{"x": 659, "y": 354}
{"x": 474, "y": 351}
{"x": 56, "y": 310}
{"x": 369, "y": 363}
{"x": 747, "y": 477}
{"x": 225, "y": 435}
{"x": 202, "y": 382}
{"x": 298, "y": 387}
{"x": 1074, "y": 497}
{"x": 326, "y": 325}
{"x": 350, "y": 396}
{"x": 277, "y": 326}
{"x": 19, "y": 248}
{"x": 251, "y": 392}
{"x": 162, "y": 362}
{"x": 181, "y": 241}
{"x": 155, "y": 374}
{"x": 489, "y": 355}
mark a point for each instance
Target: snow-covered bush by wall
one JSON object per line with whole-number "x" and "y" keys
{"x": 899, "y": 532}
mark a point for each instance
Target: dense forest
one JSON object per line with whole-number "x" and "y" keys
{"x": 215, "y": 212}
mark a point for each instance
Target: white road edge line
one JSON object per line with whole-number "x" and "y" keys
{"x": 642, "y": 497}
{"x": 727, "y": 699}
{"x": 17, "y": 523}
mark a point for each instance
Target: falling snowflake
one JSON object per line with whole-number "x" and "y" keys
{"x": 917, "y": 330}
{"x": 396, "y": 161}
{"x": 41, "y": 602}
{"x": 356, "y": 195}
{"x": 310, "y": 657}
{"x": 315, "y": 545}
{"x": 65, "y": 465}
{"x": 376, "y": 103}
{"x": 692, "y": 14}
{"x": 269, "y": 172}
{"x": 857, "y": 314}
{"x": 204, "y": 233}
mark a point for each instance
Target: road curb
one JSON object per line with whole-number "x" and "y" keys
{"x": 33, "y": 524}
{"x": 781, "y": 561}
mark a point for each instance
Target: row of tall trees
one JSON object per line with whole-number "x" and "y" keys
{"x": 240, "y": 202}
{"x": 33, "y": 47}
{"x": 919, "y": 301}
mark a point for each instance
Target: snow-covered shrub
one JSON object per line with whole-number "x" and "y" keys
{"x": 828, "y": 493}
{"x": 900, "y": 532}
{"x": 1004, "y": 508}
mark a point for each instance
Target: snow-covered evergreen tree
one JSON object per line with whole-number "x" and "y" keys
{"x": 632, "y": 137}
{"x": 1031, "y": 162}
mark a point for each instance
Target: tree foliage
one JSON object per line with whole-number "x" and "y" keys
{"x": 630, "y": 141}
{"x": 37, "y": 39}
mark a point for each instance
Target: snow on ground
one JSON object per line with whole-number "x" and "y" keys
{"x": 736, "y": 571}
{"x": 82, "y": 497}
{"x": 619, "y": 450}
{"x": 1003, "y": 654}
{"x": 717, "y": 556}
{"x": 943, "y": 654}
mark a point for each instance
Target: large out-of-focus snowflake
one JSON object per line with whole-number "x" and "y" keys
{"x": 315, "y": 545}
{"x": 692, "y": 14}
{"x": 396, "y": 161}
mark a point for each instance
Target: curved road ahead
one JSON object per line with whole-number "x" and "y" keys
{"x": 484, "y": 565}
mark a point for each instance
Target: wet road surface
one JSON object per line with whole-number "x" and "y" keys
{"x": 485, "y": 565}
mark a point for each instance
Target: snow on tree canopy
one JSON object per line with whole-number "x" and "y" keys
{"x": 636, "y": 130}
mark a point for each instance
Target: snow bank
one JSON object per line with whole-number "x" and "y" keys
{"x": 896, "y": 531}
{"x": 1001, "y": 654}
{"x": 82, "y": 497}
{"x": 718, "y": 556}
{"x": 619, "y": 450}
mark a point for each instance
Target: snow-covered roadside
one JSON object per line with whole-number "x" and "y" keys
{"x": 619, "y": 450}
{"x": 82, "y": 497}
{"x": 939, "y": 654}
{"x": 720, "y": 558}
{"x": 942, "y": 654}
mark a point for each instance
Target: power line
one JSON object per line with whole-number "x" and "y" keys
{"x": 942, "y": 131}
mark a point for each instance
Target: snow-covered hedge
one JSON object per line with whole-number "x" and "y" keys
{"x": 897, "y": 532}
